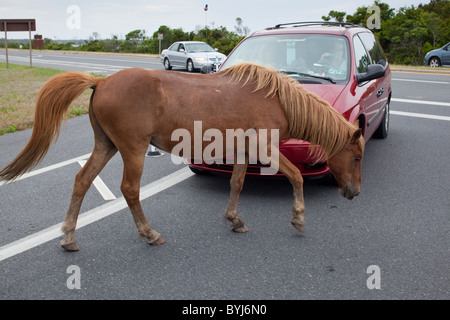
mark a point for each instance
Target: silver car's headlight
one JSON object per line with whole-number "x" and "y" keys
{"x": 201, "y": 59}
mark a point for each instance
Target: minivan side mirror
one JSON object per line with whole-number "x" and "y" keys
{"x": 374, "y": 71}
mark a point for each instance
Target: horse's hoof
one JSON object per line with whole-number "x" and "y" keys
{"x": 241, "y": 229}
{"x": 157, "y": 242}
{"x": 73, "y": 246}
{"x": 298, "y": 226}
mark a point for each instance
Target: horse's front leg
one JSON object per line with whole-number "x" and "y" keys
{"x": 294, "y": 176}
{"x": 236, "y": 184}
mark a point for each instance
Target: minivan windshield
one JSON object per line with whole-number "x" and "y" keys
{"x": 303, "y": 56}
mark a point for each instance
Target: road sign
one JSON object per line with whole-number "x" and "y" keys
{"x": 17, "y": 25}
{"x": 160, "y": 37}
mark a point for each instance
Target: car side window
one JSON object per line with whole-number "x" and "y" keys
{"x": 362, "y": 59}
{"x": 174, "y": 47}
{"x": 373, "y": 47}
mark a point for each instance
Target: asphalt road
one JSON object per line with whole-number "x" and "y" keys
{"x": 390, "y": 242}
{"x": 96, "y": 63}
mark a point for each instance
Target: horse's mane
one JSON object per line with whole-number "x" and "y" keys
{"x": 309, "y": 117}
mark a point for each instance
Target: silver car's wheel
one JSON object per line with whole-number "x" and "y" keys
{"x": 435, "y": 62}
{"x": 190, "y": 66}
{"x": 167, "y": 65}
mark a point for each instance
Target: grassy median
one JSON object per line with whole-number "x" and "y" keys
{"x": 19, "y": 86}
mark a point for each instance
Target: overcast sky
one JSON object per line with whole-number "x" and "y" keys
{"x": 78, "y": 19}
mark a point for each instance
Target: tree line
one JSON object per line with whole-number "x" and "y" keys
{"x": 138, "y": 41}
{"x": 405, "y": 35}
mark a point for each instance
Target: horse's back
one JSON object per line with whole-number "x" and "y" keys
{"x": 154, "y": 103}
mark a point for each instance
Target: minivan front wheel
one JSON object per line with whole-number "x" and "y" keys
{"x": 383, "y": 128}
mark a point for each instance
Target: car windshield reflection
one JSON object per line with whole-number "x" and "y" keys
{"x": 199, "y": 47}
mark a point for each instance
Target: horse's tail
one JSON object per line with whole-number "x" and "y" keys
{"x": 53, "y": 100}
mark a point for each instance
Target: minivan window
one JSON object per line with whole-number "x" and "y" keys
{"x": 373, "y": 47}
{"x": 362, "y": 59}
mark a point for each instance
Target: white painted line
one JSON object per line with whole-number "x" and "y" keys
{"x": 423, "y": 81}
{"x": 419, "y": 115}
{"x": 49, "y": 168}
{"x": 435, "y": 103}
{"x": 71, "y": 64}
{"x": 100, "y": 185}
{"x": 92, "y": 216}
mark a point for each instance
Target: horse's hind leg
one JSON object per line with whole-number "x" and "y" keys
{"x": 133, "y": 167}
{"x": 236, "y": 184}
{"x": 103, "y": 152}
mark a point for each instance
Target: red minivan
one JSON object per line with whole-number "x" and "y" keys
{"x": 342, "y": 63}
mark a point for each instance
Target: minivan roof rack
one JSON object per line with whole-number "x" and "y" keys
{"x": 313, "y": 23}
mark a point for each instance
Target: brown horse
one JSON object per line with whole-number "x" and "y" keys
{"x": 135, "y": 107}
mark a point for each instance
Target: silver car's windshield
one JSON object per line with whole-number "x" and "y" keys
{"x": 317, "y": 56}
{"x": 198, "y": 47}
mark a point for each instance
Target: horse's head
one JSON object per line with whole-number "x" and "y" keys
{"x": 346, "y": 166}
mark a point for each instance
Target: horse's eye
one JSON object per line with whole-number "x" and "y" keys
{"x": 357, "y": 159}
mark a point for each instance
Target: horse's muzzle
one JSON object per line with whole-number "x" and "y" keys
{"x": 348, "y": 192}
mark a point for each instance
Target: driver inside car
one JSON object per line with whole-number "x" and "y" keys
{"x": 336, "y": 59}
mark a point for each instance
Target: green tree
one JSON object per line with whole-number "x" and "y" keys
{"x": 408, "y": 34}
{"x": 405, "y": 34}
{"x": 132, "y": 40}
{"x": 219, "y": 38}
{"x": 113, "y": 44}
{"x": 170, "y": 36}
{"x": 337, "y": 15}
{"x": 240, "y": 29}
{"x": 438, "y": 21}
{"x": 361, "y": 15}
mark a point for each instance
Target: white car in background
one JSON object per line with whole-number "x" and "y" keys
{"x": 190, "y": 55}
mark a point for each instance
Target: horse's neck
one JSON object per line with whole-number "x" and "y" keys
{"x": 329, "y": 129}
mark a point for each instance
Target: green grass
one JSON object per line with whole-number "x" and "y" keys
{"x": 19, "y": 86}
{"x": 10, "y": 129}
{"x": 421, "y": 68}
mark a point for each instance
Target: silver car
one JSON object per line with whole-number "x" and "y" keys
{"x": 191, "y": 55}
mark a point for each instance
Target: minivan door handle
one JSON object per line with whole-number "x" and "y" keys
{"x": 380, "y": 92}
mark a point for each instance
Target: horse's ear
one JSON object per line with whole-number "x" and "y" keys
{"x": 356, "y": 123}
{"x": 356, "y": 135}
